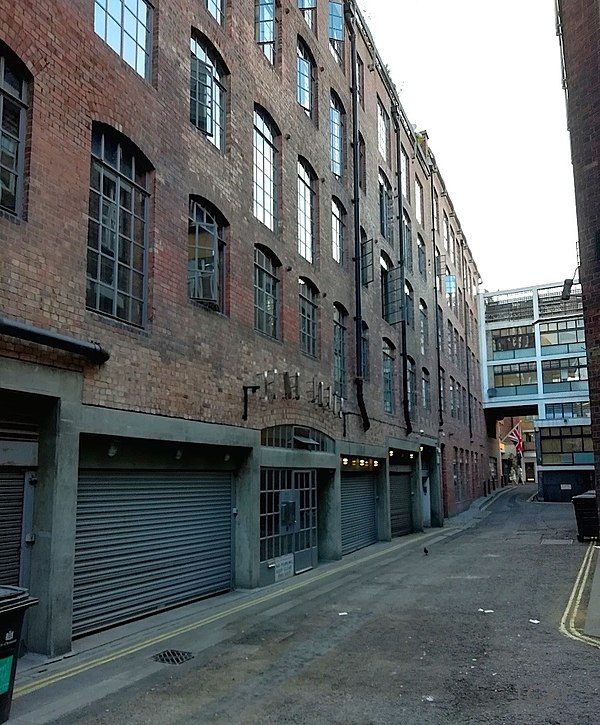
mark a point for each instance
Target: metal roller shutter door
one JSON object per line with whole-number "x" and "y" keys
{"x": 12, "y": 484}
{"x": 400, "y": 504}
{"x": 148, "y": 541}
{"x": 359, "y": 514}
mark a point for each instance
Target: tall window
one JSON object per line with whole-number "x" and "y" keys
{"x": 388, "y": 377}
{"x": 425, "y": 389}
{"x": 307, "y": 294}
{"x": 386, "y": 209}
{"x": 421, "y": 255}
{"x": 364, "y": 344}
{"x": 13, "y": 111}
{"x": 419, "y": 211}
{"x": 205, "y": 254}
{"x": 360, "y": 80}
{"x": 126, "y": 26}
{"x": 386, "y": 291}
{"x": 339, "y": 351}
{"x": 336, "y": 30}
{"x": 446, "y": 231}
{"x": 442, "y": 390}
{"x": 117, "y": 228}
{"x": 423, "y": 327}
{"x": 362, "y": 163}
{"x": 308, "y": 8}
{"x": 215, "y": 8}
{"x": 264, "y": 27}
{"x": 407, "y": 239}
{"x": 336, "y": 116}
{"x": 266, "y": 293}
{"x": 436, "y": 211}
{"x": 305, "y": 80}
{"x": 337, "y": 231}
{"x": 409, "y": 305}
{"x": 383, "y": 131}
{"x": 405, "y": 175}
{"x": 264, "y": 169}
{"x": 411, "y": 385}
{"x": 306, "y": 211}
{"x": 207, "y": 91}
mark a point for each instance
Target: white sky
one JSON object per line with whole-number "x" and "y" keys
{"x": 483, "y": 79}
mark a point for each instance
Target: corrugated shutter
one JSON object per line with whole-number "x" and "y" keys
{"x": 400, "y": 504}
{"x": 359, "y": 515}
{"x": 146, "y": 541}
{"x": 12, "y": 484}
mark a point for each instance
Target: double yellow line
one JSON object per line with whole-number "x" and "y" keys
{"x": 567, "y": 623}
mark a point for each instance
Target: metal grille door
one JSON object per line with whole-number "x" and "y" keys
{"x": 12, "y": 485}
{"x": 148, "y": 541}
{"x": 359, "y": 514}
{"x": 400, "y": 504}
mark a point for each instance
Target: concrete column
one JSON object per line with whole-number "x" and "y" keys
{"x": 247, "y": 523}
{"x": 384, "y": 523}
{"x": 53, "y": 554}
{"x": 329, "y": 508}
{"x": 416, "y": 490}
{"x": 435, "y": 485}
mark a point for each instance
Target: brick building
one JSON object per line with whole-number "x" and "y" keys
{"x": 578, "y": 29}
{"x": 239, "y": 321}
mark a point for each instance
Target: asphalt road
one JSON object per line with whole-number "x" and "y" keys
{"x": 404, "y": 638}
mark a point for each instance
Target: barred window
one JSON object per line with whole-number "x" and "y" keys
{"x": 117, "y": 227}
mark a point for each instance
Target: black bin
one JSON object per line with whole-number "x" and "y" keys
{"x": 14, "y": 601}
{"x": 586, "y": 514}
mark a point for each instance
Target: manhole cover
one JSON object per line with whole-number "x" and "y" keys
{"x": 173, "y": 657}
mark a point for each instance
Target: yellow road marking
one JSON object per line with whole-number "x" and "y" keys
{"x": 567, "y": 622}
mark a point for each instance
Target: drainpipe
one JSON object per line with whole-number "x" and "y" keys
{"x": 405, "y": 402}
{"x": 436, "y": 274}
{"x": 349, "y": 14}
{"x": 91, "y": 350}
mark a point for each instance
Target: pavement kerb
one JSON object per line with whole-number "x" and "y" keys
{"x": 29, "y": 678}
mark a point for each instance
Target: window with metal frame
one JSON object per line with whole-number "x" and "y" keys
{"x": 515, "y": 379}
{"x": 419, "y": 210}
{"x": 205, "y": 254}
{"x": 336, "y": 129}
{"x": 360, "y": 80}
{"x": 216, "y": 9}
{"x": 409, "y": 304}
{"x": 207, "y": 91}
{"x": 307, "y": 212}
{"x": 557, "y": 411}
{"x": 338, "y": 215}
{"x": 442, "y": 390}
{"x": 126, "y": 27}
{"x": 425, "y": 389}
{"x": 307, "y": 294}
{"x": 265, "y": 169}
{"x": 386, "y": 209}
{"x": 566, "y": 445}
{"x": 564, "y": 336}
{"x": 362, "y": 163}
{"x": 383, "y": 131}
{"x": 411, "y": 385}
{"x": 336, "y": 30}
{"x": 565, "y": 374}
{"x": 367, "y": 262}
{"x": 305, "y": 79}
{"x": 423, "y": 327}
{"x": 117, "y": 227}
{"x": 364, "y": 343}
{"x": 266, "y": 293}
{"x": 265, "y": 27}
{"x": 405, "y": 175}
{"x": 421, "y": 255}
{"x": 339, "y": 351}
{"x": 407, "y": 241}
{"x": 14, "y": 91}
{"x": 308, "y": 8}
{"x": 388, "y": 352}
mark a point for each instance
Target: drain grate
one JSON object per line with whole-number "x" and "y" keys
{"x": 173, "y": 657}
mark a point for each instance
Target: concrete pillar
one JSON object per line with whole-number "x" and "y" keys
{"x": 416, "y": 490}
{"x": 329, "y": 513}
{"x": 435, "y": 485}
{"x": 384, "y": 522}
{"x": 247, "y": 527}
{"x": 53, "y": 554}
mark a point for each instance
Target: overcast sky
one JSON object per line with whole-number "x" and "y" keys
{"x": 484, "y": 80}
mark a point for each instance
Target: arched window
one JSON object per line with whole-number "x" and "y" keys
{"x": 336, "y": 134}
{"x": 117, "y": 228}
{"x": 308, "y": 309}
{"x": 423, "y": 327}
{"x": 307, "y": 213}
{"x": 388, "y": 355}
{"x": 338, "y": 216}
{"x": 340, "y": 317}
{"x": 207, "y": 90}
{"x": 14, "y": 82}
{"x": 265, "y": 169}
{"x": 205, "y": 253}
{"x": 425, "y": 389}
{"x": 306, "y": 79}
{"x": 421, "y": 255}
{"x": 266, "y": 292}
{"x": 409, "y": 304}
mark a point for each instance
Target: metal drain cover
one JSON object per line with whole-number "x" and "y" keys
{"x": 173, "y": 657}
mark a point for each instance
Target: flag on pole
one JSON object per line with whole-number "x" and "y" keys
{"x": 516, "y": 437}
